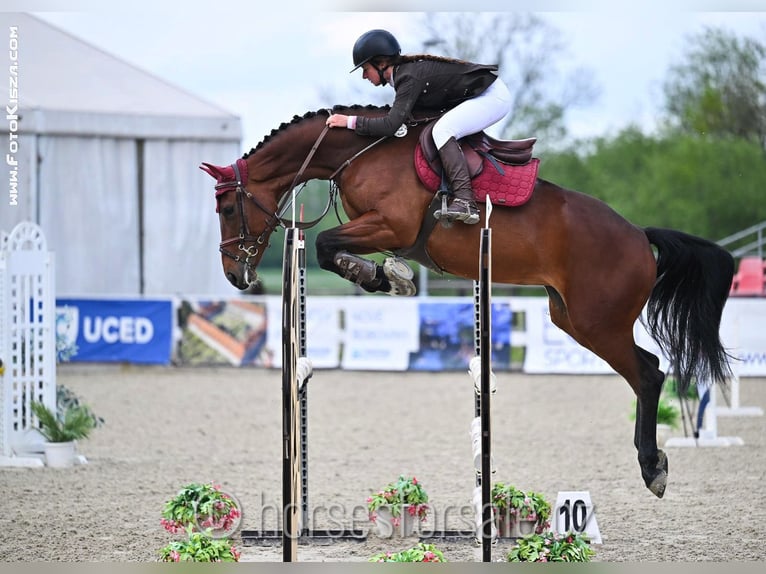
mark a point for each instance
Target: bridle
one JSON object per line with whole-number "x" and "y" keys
{"x": 274, "y": 219}
{"x": 245, "y": 236}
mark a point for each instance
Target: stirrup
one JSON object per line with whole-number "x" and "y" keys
{"x": 462, "y": 210}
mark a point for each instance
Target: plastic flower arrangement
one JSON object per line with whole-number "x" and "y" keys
{"x": 407, "y": 493}
{"x": 420, "y": 553}
{"x": 551, "y": 547}
{"x": 201, "y": 507}
{"x": 199, "y": 547}
{"x": 520, "y": 505}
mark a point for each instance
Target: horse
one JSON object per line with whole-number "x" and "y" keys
{"x": 599, "y": 270}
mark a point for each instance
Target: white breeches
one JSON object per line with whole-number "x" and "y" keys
{"x": 474, "y": 115}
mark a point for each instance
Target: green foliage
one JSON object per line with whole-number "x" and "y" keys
{"x": 718, "y": 89}
{"x": 707, "y": 187}
{"x": 670, "y": 388}
{"x": 405, "y": 491}
{"x": 667, "y": 413}
{"x": 66, "y": 399}
{"x": 525, "y": 505}
{"x": 420, "y": 553}
{"x": 199, "y": 506}
{"x": 551, "y": 547}
{"x": 75, "y": 423}
{"x": 199, "y": 547}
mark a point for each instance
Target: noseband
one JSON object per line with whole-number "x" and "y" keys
{"x": 272, "y": 221}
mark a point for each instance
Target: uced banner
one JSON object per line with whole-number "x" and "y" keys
{"x": 113, "y": 330}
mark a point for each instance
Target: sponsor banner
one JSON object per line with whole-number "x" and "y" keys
{"x": 744, "y": 336}
{"x": 323, "y": 331}
{"x": 111, "y": 330}
{"x": 550, "y": 351}
{"x": 380, "y": 334}
{"x": 224, "y": 332}
{"x": 448, "y": 338}
{"x": 248, "y": 332}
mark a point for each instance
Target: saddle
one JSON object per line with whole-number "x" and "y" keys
{"x": 503, "y": 170}
{"x": 478, "y": 147}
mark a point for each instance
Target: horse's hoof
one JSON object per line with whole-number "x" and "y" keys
{"x": 657, "y": 486}
{"x": 399, "y": 275}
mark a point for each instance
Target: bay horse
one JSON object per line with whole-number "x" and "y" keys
{"x": 599, "y": 270}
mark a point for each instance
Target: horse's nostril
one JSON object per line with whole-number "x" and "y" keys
{"x": 232, "y": 279}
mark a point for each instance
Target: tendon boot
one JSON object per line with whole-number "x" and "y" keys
{"x": 463, "y": 206}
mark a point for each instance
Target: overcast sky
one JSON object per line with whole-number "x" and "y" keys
{"x": 266, "y": 65}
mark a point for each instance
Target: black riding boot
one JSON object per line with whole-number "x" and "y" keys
{"x": 463, "y": 206}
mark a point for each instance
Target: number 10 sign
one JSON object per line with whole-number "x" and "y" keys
{"x": 574, "y": 512}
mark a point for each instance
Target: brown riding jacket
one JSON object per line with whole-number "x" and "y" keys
{"x": 427, "y": 84}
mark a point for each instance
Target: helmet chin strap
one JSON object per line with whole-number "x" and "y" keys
{"x": 383, "y": 80}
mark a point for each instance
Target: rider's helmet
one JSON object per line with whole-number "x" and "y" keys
{"x": 374, "y": 43}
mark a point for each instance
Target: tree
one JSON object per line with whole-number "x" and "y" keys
{"x": 684, "y": 182}
{"x": 719, "y": 89}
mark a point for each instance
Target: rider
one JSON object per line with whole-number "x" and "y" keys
{"x": 473, "y": 95}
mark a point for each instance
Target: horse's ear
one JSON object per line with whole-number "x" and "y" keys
{"x": 213, "y": 170}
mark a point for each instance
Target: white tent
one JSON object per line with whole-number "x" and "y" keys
{"x": 104, "y": 157}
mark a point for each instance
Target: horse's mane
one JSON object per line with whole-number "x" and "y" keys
{"x": 312, "y": 114}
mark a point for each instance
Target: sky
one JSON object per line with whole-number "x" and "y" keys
{"x": 267, "y": 64}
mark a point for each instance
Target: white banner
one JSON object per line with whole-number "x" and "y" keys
{"x": 323, "y": 331}
{"x": 743, "y": 332}
{"x": 551, "y": 351}
{"x": 380, "y": 333}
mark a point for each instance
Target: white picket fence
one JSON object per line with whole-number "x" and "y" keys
{"x": 27, "y": 341}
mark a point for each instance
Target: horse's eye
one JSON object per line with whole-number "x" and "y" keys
{"x": 228, "y": 211}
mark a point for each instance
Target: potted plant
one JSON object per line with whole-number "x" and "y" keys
{"x": 421, "y": 553}
{"x": 398, "y": 504}
{"x": 199, "y": 547}
{"x": 551, "y": 547}
{"x": 517, "y": 512}
{"x": 61, "y": 432}
{"x": 203, "y": 508}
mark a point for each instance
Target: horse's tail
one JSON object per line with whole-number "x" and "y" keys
{"x": 684, "y": 311}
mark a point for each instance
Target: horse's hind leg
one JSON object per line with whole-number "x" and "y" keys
{"x": 613, "y": 341}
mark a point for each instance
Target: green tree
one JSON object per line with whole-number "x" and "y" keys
{"x": 718, "y": 89}
{"x": 704, "y": 186}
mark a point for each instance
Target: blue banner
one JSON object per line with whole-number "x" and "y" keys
{"x": 448, "y": 337}
{"x": 111, "y": 330}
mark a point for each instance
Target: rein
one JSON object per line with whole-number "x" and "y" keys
{"x": 275, "y": 218}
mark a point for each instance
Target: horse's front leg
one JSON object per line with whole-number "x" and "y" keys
{"x": 337, "y": 249}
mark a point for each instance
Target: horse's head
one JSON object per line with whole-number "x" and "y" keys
{"x": 246, "y": 221}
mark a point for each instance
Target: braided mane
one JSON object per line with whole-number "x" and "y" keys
{"x": 312, "y": 114}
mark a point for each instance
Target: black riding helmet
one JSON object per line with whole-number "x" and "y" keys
{"x": 374, "y": 43}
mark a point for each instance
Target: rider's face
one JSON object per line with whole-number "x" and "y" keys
{"x": 370, "y": 73}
